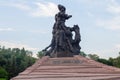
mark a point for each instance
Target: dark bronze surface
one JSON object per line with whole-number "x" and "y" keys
{"x": 63, "y": 43}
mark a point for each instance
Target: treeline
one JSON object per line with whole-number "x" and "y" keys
{"x": 14, "y": 61}
{"x": 111, "y": 61}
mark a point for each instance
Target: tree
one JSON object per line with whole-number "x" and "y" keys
{"x": 3, "y": 73}
{"x": 116, "y": 62}
{"x": 15, "y": 60}
{"x": 105, "y": 61}
{"x": 40, "y": 54}
{"x": 83, "y": 54}
{"x": 94, "y": 56}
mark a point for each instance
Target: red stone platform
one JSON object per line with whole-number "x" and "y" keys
{"x": 69, "y": 68}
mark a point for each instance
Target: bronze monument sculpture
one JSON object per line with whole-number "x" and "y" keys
{"x": 63, "y": 43}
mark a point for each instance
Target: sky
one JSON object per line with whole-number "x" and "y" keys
{"x": 28, "y": 24}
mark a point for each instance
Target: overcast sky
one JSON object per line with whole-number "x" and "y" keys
{"x": 28, "y": 23}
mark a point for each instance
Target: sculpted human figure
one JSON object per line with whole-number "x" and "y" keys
{"x": 63, "y": 44}
{"x": 77, "y": 40}
{"x": 61, "y": 17}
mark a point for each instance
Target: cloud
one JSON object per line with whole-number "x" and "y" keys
{"x": 44, "y": 9}
{"x": 113, "y": 10}
{"x": 113, "y": 24}
{"x": 7, "y": 29}
{"x": 20, "y": 46}
{"x": 17, "y": 45}
{"x": 40, "y": 31}
{"x": 113, "y": 7}
{"x": 21, "y": 6}
{"x": 117, "y": 46}
{"x": 90, "y": 14}
{"x": 35, "y": 9}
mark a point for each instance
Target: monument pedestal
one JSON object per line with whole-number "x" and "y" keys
{"x": 62, "y": 54}
{"x": 69, "y": 68}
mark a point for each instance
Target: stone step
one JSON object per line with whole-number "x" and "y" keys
{"x": 66, "y": 67}
{"x": 66, "y": 76}
{"x": 48, "y": 73}
{"x": 74, "y": 70}
{"x": 73, "y": 73}
{"x": 74, "y": 78}
{"x": 84, "y": 64}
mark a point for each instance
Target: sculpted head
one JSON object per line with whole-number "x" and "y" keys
{"x": 61, "y": 8}
{"x": 75, "y": 27}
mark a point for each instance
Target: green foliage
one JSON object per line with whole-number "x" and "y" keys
{"x": 15, "y": 60}
{"x": 3, "y": 73}
{"x": 40, "y": 54}
{"x": 105, "y": 61}
{"x": 111, "y": 61}
{"x": 3, "y": 79}
{"x": 116, "y": 61}
{"x": 83, "y": 54}
{"x": 94, "y": 56}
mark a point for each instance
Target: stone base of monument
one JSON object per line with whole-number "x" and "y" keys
{"x": 69, "y": 68}
{"x": 62, "y": 54}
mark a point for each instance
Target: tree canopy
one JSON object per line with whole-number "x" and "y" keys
{"x": 111, "y": 61}
{"x": 15, "y": 60}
